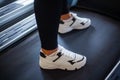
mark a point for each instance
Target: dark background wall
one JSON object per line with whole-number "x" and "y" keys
{"x": 109, "y": 7}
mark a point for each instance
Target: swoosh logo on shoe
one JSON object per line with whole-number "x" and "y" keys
{"x": 73, "y": 62}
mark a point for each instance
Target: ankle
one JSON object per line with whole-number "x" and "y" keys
{"x": 48, "y": 52}
{"x": 66, "y": 16}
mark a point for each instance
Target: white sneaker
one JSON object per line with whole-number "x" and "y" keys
{"x": 62, "y": 59}
{"x": 74, "y": 22}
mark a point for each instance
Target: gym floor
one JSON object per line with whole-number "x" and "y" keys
{"x": 100, "y": 43}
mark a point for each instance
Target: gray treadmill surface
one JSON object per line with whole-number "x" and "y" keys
{"x": 100, "y": 43}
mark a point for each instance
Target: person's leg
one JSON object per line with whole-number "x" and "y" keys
{"x": 70, "y": 21}
{"x": 53, "y": 56}
{"x": 65, "y": 14}
{"x": 47, "y": 17}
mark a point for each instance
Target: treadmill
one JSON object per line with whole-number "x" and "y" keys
{"x": 20, "y": 44}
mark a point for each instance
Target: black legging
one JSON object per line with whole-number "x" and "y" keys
{"x": 47, "y": 14}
